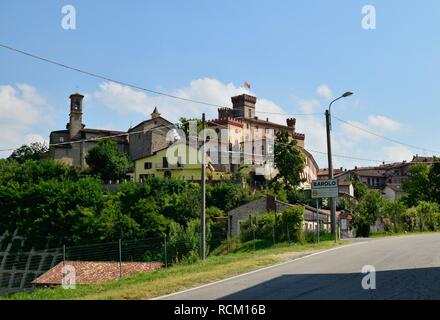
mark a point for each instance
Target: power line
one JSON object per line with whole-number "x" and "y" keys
{"x": 98, "y": 76}
{"x": 384, "y": 137}
{"x": 198, "y": 102}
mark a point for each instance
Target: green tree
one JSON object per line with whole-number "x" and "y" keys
{"x": 434, "y": 181}
{"x": 34, "y": 151}
{"x": 226, "y": 195}
{"x": 427, "y": 215}
{"x": 393, "y": 210}
{"x": 367, "y": 212}
{"x": 292, "y": 222}
{"x": 289, "y": 160}
{"x": 184, "y": 125}
{"x": 410, "y": 219}
{"x": 106, "y": 162}
{"x": 418, "y": 185}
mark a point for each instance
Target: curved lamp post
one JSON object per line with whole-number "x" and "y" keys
{"x": 330, "y": 161}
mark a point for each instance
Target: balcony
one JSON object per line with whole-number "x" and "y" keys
{"x": 167, "y": 166}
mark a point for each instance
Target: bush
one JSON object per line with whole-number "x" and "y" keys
{"x": 291, "y": 223}
{"x": 266, "y": 226}
{"x": 362, "y": 226}
{"x": 409, "y": 220}
{"x": 184, "y": 243}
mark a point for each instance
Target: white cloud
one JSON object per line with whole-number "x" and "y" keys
{"x": 22, "y": 111}
{"x": 397, "y": 153}
{"x": 346, "y": 139}
{"x": 126, "y": 100}
{"x": 309, "y": 106}
{"x": 324, "y": 91}
{"x": 384, "y": 123}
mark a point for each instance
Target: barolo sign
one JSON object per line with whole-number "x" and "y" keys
{"x": 325, "y": 188}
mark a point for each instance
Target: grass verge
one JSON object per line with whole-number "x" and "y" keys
{"x": 177, "y": 278}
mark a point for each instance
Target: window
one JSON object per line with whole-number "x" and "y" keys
{"x": 164, "y": 162}
{"x": 61, "y": 139}
{"x": 148, "y": 165}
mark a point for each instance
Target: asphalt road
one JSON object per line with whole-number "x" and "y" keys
{"x": 406, "y": 268}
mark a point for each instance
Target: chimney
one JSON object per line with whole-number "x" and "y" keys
{"x": 291, "y": 123}
{"x": 244, "y": 106}
{"x": 75, "y": 122}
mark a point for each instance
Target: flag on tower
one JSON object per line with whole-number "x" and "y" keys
{"x": 247, "y": 85}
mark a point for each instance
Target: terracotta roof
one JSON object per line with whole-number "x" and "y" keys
{"x": 94, "y": 272}
{"x": 324, "y": 172}
{"x": 104, "y": 131}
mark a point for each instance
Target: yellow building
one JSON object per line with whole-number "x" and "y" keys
{"x": 178, "y": 161}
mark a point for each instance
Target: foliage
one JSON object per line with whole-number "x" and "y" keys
{"x": 393, "y": 211}
{"x": 34, "y": 151}
{"x": 417, "y": 185}
{"x": 410, "y": 220}
{"x": 226, "y": 195}
{"x": 367, "y": 212}
{"x": 184, "y": 125}
{"x": 184, "y": 242}
{"x": 106, "y": 162}
{"x": 434, "y": 181}
{"x": 291, "y": 222}
{"x": 427, "y": 213}
{"x": 275, "y": 227}
{"x": 289, "y": 161}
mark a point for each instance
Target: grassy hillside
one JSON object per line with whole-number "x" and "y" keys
{"x": 176, "y": 278}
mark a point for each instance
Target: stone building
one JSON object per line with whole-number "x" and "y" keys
{"x": 265, "y": 204}
{"x": 72, "y": 144}
{"x": 251, "y": 139}
{"x": 149, "y": 136}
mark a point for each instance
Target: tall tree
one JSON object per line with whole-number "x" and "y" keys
{"x": 34, "y": 151}
{"x": 417, "y": 185}
{"x": 434, "y": 181}
{"x": 106, "y": 162}
{"x": 289, "y": 161}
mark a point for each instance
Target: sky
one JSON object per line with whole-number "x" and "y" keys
{"x": 297, "y": 56}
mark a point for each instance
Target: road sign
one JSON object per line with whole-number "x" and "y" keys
{"x": 343, "y": 224}
{"x": 325, "y": 188}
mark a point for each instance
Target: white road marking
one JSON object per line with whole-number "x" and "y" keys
{"x": 259, "y": 270}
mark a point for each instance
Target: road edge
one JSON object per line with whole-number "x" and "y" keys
{"x": 257, "y": 270}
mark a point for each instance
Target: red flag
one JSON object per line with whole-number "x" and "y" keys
{"x": 247, "y": 85}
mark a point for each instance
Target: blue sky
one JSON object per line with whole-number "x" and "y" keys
{"x": 207, "y": 49}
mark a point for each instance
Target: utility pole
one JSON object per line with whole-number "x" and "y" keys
{"x": 203, "y": 197}
{"x": 332, "y": 201}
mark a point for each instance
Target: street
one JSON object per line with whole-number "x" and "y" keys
{"x": 406, "y": 268}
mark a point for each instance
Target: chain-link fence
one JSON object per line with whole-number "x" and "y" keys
{"x": 93, "y": 263}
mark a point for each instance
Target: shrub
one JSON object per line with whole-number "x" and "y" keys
{"x": 291, "y": 222}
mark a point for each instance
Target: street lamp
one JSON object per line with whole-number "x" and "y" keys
{"x": 330, "y": 161}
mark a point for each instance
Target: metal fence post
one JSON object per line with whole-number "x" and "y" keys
{"x": 253, "y": 230}
{"x": 120, "y": 259}
{"x": 64, "y": 255}
{"x": 288, "y": 234}
{"x": 273, "y": 234}
{"x": 165, "y": 248}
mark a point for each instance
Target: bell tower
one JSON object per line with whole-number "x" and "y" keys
{"x": 75, "y": 122}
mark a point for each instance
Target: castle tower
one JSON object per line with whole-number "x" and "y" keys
{"x": 244, "y": 106}
{"x": 75, "y": 123}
